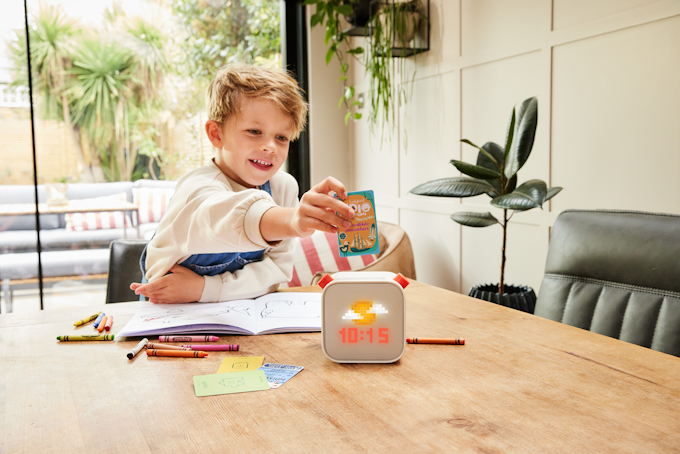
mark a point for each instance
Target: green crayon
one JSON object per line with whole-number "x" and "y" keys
{"x": 87, "y": 337}
{"x": 88, "y": 319}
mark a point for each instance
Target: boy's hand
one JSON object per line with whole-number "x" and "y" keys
{"x": 317, "y": 209}
{"x": 182, "y": 286}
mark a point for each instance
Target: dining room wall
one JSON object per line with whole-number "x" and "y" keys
{"x": 607, "y": 77}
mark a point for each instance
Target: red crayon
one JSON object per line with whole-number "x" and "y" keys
{"x": 214, "y": 348}
{"x": 188, "y": 339}
{"x": 428, "y": 340}
{"x": 109, "y": 323}
{"x": 176, "y": 353}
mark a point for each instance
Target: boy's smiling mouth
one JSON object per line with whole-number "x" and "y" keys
{"x": 264, "y": 165}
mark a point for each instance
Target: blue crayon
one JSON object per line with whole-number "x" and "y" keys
{"x": 99, "y": 319}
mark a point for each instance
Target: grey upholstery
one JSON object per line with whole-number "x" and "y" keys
{"x": 616, "y": 273}
{"x": 124, "y": 269}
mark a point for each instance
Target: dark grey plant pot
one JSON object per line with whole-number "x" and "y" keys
{"x": 518, "y": 297}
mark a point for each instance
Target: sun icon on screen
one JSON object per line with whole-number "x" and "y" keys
{"x": 364, "y": 312}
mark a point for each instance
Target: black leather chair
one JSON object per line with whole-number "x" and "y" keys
{"x": 615, "y": 273}
{"x": 123, "y": 269}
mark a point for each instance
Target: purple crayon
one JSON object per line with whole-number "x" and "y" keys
{"x": 188, "y": 339}
{"x": 214, "y": 348}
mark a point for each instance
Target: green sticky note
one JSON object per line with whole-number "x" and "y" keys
{"x": 230, "y": 383}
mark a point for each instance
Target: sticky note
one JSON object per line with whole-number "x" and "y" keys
{"x": 278, "y": 374}
{"x": 230, "y": 383}
{"x": 240, "y": 364}
{"x": 360, "y": 238}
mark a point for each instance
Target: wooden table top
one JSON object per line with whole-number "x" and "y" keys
{"x": 73, "y": 206}
{"x": 520, "y": 384}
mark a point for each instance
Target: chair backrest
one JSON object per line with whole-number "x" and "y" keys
{"x": 616, "y": 273}
{"x": 123, "y": 269}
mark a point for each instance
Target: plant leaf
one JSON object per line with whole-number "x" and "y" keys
{"x": 552, "y": 192}
{"x": 329, "y": 54}
{"x": 473, "y": 219}
{"x": 523, "y": 136}
{"x": 345, "y": 10}
{"x": 496, "y": 151}
{"x": 509, "y": 134}
{"x": 483, "y": 151}
{"x": 347, "y": 115}
{"x": 531, "y": 194}
{"x": 357, "y": 116}
{"x": 475, "y": 171}
{"x": 453, "y": 187}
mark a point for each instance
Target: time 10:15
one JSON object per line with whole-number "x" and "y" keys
{"x": 354, "y": 335}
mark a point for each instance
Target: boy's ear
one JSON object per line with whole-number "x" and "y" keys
{"x": 214, "y": 131}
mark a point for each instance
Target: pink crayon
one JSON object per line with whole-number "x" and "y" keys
{"x": 109, "y": 323}
{"x": 188, "y": 339}
{"x": 214, "y": 348}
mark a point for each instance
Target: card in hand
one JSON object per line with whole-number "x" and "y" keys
{"x": 360, "y": 238}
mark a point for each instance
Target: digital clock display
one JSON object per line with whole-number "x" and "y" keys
{"x": 354, "y": 335}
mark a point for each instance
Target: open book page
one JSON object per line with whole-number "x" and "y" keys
{"x": 287, "y": 312}
{"x": 274, "y": 312}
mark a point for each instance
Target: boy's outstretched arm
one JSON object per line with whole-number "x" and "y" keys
{"x": 182, "y": 286}
{"x": 316, "y": 211}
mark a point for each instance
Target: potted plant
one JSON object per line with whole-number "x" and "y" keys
{"x": 495, "y": 174}
{"x": 389, "y": 30}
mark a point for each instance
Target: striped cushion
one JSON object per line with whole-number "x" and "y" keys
{"x": 99, "y": 220}
{"x": 319, "y": 252}
{"x": 151, "y": 203}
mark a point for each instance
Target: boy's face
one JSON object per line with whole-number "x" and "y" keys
{"x": 253, "y": 144}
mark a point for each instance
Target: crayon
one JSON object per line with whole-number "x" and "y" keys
{"x": 153, "y": 346}
{"x": 102, "y": 324}
{"x": 131, "y": 354}
{"x": 99, "y": 319}
{"x": 428, "y": 340}
{"x": 188, "y": 339}
{"x": 88, "y": 319}
{"x": 109, "y": 322}
{"x": 176, "y": 353}
{"x": 214, "y": 348}
{"x": 86, "y": 337}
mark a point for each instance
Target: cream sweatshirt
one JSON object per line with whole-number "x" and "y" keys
{"x": 208, "y": 214}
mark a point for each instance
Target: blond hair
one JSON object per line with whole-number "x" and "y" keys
{"x": 232, "y": 82}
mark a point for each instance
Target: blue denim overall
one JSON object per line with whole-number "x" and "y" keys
{"x": 214, "y": 264}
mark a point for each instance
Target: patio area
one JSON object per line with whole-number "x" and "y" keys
{"x": 61, "y": 295}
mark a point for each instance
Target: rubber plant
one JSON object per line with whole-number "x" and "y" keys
{"x": 495, "y": 174}
{"x": 393, "y": 22}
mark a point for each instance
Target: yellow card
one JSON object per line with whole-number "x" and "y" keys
{"x": 240, "y": 364}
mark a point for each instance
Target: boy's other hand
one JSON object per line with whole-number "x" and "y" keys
{"x": 317, "y": 209}
{"x": 182, "y": 286}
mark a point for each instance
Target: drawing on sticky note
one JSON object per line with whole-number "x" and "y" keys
{"x": 241, "y": 365}
{"x": 232, "y": 382}
{"x": 291, "y": 309}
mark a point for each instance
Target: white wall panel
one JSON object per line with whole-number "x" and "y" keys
{"x": 490, "y": 25}
{"x": 567, "y": 13}
{"x": 436, "y": 244}
{"x": 616, "y": 111}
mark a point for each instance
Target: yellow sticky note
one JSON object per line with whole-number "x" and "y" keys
{"x": 240, "y": 364}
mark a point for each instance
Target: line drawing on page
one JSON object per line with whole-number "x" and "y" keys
{"x": 194, "y": 314}
{"x": 291, "y": 309}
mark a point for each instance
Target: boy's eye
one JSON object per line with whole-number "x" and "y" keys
{"x": 254, "y": 131}
{"x": 282, "y": 138}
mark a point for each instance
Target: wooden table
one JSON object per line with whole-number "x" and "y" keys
{"x": 520, "y": 384}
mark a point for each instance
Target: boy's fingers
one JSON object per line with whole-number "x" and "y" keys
{"x": 329, "y": 203}
{"x": 331, "y": 184}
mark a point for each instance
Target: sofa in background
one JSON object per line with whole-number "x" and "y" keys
{"x": 69, "y": 248}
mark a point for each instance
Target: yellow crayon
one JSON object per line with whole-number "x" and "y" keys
{"x": 88, "y": 319}
{"x": 86, "y": 337}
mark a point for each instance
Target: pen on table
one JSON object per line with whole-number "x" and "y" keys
{"x": 102, "y": 324}
{"x": 430, "y": 340}
{"x": 214, "y": 348}
{"x": 86, "y": 337}
{"x": 87, "y": 319}
{"x": 109, "y": 322}
{"x": 188, "y": 338}
{"x": 153, "y": 346}
{"x": 99, "y": 319}
{"x": 176, "y": 353}
{"x": 131, "y": 354}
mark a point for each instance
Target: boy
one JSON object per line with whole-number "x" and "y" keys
{"x": 227, "y": 231}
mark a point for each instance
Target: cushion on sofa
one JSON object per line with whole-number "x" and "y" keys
{"x": 151, "y": 203}
{"x": 319, "y": 252}
{"x": 99, "y": 220}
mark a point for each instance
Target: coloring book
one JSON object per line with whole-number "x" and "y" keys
{"x": 284, "y": 312}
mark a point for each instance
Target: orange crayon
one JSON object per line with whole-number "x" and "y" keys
{"x": 429, "y": 340}
{"x": 176, "y": 353}
{"x": 109, "y": 322}
{"x": 100, "y": 328}
{"x": 153, "y": 346}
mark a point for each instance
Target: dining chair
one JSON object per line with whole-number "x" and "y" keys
{"x": 123, "y": 269}
{"x": 616, "y": 273}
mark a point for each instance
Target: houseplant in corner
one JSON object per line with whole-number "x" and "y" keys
{"x": 495, "y": 174}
